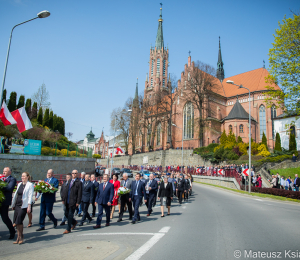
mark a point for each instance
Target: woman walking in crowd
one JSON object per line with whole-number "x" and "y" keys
{"x": 165, "y": 195}
{"x": 117, "y": 185}
{"x": 22, "y": 204}
{"x": 259, "y": 181}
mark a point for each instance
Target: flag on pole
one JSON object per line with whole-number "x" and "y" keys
{"x": 119, "y": 150}
{"x": 6, "y": 116}
{"x": 246, "y": 172}
{"x": 23, "y": 122}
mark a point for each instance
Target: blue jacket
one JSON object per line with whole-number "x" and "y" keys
{"x": 106, "y": 195}
{"x": 50, "y": 197}
{"x": 8, "y": 190}
{"x": 88, "y": 192}
{"x": 140, "y": 190}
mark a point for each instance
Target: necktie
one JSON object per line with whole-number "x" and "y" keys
{"x": 104, "y": 184}
{"x": 150, "y": 182}
{"x": 71, "y": 183}
{"x": 137, "y": 184}
{"x": 86, "y": 183}
{"x": 125, "y": 183}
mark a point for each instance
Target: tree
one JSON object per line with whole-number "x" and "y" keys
{"x": 28, "y": 107}
{"x": 21, "y": 102}
{"x": 55, "y": 123}
{"x": 12, "y": 103}
{"x": 34, "y": 110}
{"x": 60, "y": 125}
{"x": 264, "y": 140}
{"x": 278, "y": 143}
{"x": 223, "y": 138}
{"x": 40, "y": 116}
{"x": 231, "y": 137}
{"x": 284, "y": 59}
{"x": 51, "y": 120}
{"x": 200, "y": 87}
{"x": 4, "y": 96}
{"x": 292, "y": 143}
{"x": 41, "y": 97}
{"x": 46, "y": 118}
{"x": 240, "y": 140}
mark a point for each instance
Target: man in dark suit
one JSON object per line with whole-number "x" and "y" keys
{"x": 88, "y": 191}
{"x": 8, "y": 191}
{"x": 47, "y": 202}
{"x": 64, "y": 186}
{"x": 136, "y": 194}
{"x": 72, "y": 199}
{"x": 125, "y": 199}
{"x": 105, "y": 195}
{"x": 96, "y": 186}
{"x": 180, "y": 188}
{"x": 151, "y": 192}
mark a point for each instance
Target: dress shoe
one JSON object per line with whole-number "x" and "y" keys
{"x": 133, "y": 222}
{"x": 79, "y": 215}
{"x": 74, "y": 225}
{"x": 55, "y": 224}
{"x": 139, "y": 219}
{"x": 89, "y": 221}
{"x": 107, "y": 224}
{"x": 80, "y": 224}
{"x": 130, "y": 218}
{"x": 12, "y": 235}
{"x": 66, "y": 232}
{"x": 119, "y": 220}
{"x": 97, "y": 226}
{"x": 162, "y": 216}
{"x": 62, "y": 223}
{"x": 40, "y": 229}
{"x": 93, "y": 215}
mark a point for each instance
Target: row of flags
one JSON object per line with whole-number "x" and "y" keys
{"x": 18, "y": 117}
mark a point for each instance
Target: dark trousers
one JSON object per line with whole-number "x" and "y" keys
{"x": 85, "y": 208}
{"x": 186, "y": 195}
{"x": 46, "y": 210}
{"x": 69, "y": 213}
{"x": 151, "y": 199}
{"x": 94, "y": 207}
{"x": 125, "y": 200}
{"x": 6, "y": 219}
{"x": 179, "y": 193}
{"x": 136, "y": 203}
{"x": 100, "y": 214}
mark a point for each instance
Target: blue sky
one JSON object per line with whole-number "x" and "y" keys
{"x": 89, "y": 53}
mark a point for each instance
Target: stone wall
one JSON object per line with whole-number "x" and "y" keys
{"x": 37, "y": 166}
{"x": 221, "y": 181}
{"x": 163, "y": 158}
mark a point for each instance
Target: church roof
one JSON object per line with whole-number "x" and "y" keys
{"x": 159, "y": 43}
{"x": 238, "y": 112}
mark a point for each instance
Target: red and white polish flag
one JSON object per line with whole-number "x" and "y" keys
{"x": 6, "y": 116}
{"x": 23, "y": 122}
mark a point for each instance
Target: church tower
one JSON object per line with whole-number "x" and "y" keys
{"x": 220, "y": 69}
{"x": 158, "y": 65}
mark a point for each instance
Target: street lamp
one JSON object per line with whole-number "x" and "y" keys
{"x": 181, "y": 146}
{"x": 112, "y": 154}
{"x": 249, "y": 172}
{"x": 42, "y": 14}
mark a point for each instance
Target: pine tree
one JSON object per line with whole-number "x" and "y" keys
{"x": 54, "y": 127}
{"x": 4, "y": 96}
{"x": 278, "y": 143}
{"x": 240, "y": 140}
{"x": 34, "y": 110}
{"x": 46, "y": 118}
{"x": 223, "y": 138}
{"x": 40, "y": 116}
{"x": 28, "y": 107}
{"x": 21, "y": 102}
{"x": 292, "y": 143}
{"x": 61, "y": 125}
{"x": 264, "y": 140}
{"x": 12, "y": 103}
{"x": 231, "y": 137}
{"x": 51, "y": 120}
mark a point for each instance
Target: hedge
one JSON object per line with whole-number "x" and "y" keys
{"x": 276, "y": 192}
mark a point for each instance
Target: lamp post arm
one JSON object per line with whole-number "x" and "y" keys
{"x": 7, "y": 55}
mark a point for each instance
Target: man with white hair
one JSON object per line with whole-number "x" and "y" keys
{"x": 125, "y": 198}
{"x": 151, "y": 191}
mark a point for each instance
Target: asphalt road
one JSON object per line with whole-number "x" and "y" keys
{"x": 214, "y": 224}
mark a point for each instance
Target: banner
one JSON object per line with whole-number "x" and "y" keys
{"x": 32, "y": 147}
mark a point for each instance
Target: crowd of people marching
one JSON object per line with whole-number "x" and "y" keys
{"x": 78, "y": 192}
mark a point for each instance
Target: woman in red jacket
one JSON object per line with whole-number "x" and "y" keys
{"x": 117, "y": 185}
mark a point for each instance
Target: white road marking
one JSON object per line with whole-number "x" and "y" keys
{"x": 184, "y": 207}
{"x": 259, "y": 199}
{"x": 164, "y": 230}
{"x": 118, "y": 233}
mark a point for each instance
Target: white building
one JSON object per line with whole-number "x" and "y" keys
{"x": 284, "y": 125}
{"x": 88, "y": 142}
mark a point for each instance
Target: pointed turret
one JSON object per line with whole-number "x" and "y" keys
{"x": 136, "y": 89}
{"x": 135, "y": 102}
{"x": 220, "y": 69}
{"x": 159, "y": 37}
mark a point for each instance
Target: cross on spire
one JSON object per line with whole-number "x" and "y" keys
{"x": 264, "y": 64}
{"x": 189, "y": 53}
{"x": 161, "y": 5}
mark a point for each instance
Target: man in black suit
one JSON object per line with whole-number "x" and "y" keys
{"x": 8, "y": 191}
{"x": 96, "y": 186}
{"x": 105, "y": 195}
{"x": 88, "y": 190}
{"x": 180, "y": 188}
{"x": 72, "y": 199}
{"x": 64, "y": 186}
{"x": 125, "y": 199}
{"x": 151, "y": 192}
{"x": 136, "y": 195}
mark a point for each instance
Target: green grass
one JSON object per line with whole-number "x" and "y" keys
{"x": 287, "y": 172}
{"x": 255, "y": 194}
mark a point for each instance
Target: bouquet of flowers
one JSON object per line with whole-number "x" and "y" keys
{"x": 122, "y": 191}
{"x": 3, "y": 184}
{"x": 44, "y": 187}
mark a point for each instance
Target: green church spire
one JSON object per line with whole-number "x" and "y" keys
{"x": 220, "y": 69}
{"x": 159, "y": 37}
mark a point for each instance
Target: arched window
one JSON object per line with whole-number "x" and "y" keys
{"x": 158, "y": 130}
{"x": 158, "y": 65}
{"x": 273, "y": 115}
{"x": 188, "y": 121}
{"x": 152, "y": 66}
{"x": 164, "y": 68}
{"x": 189, "y": 76}
{"x": 151, "y": 82}
{"x": 230, "y": 128}
{"x": 292, "y": 130}
{"x": 148, "y": 135}
{"x": 213, "y": 141}
{"x": 241, "y": 128}
{"x": 262, "y": 121}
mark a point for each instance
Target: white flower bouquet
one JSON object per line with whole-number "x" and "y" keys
{"x": 122, "y": 191}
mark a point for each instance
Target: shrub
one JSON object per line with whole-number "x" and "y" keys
{"x": 278, "y": 143}
{"x": 292, "y": 143}
{"x": 72, "y": 153}
{"x": 243, "y": 148}
{"x": 57, "y": 152}
{"x": 64, "y": 152}
{"x": 229, "y": 145}
{"x": 46, "y": 150}
{"x": 223, "y": 138}
{"x": 240, "y": 140}
{"x": 278, "y": 192}
{"x": 236, "y": 150}
{"x": 231, "y": 137}
{"x": 83, "y": 155}
{"x": 97, "y": 156}
{"x": 264, "y": 141}
{"x": 263, "y": 151}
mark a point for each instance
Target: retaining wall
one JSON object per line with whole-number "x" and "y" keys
{"x": 221, "y": 181}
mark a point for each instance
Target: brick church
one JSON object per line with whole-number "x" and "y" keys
{"x": 169, "y": 115}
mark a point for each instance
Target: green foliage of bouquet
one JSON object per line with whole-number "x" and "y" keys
{"x": 3, "y": 184}
{"x": 44, "y": 187}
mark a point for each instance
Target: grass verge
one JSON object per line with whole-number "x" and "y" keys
{"x": 255, "y": 194}
{"x": 286, "y": 172}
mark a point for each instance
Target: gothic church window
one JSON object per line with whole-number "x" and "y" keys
{"x": 158, "y": 66}
{"x": 151, "y": 82}
{"x": 241, "y": 128}
{"x": 273, "y": 115}
{"x": 158, "y": 130}
{"x": 164, "y": 68}
{"x": 262, "y": 121}
{"x": 152, "y": 65}
{"x": 230, "y": 128}
{"x": 188, "y": 121}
